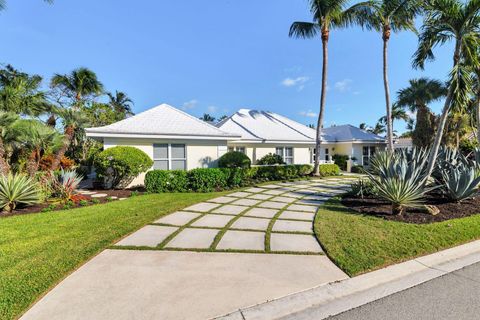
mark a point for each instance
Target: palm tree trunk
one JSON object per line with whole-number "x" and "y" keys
{"x": 443, "y": 118}
{"x": 32, "y": 164}
{"x": 389, "y": 123}
{"x": 323, "y": 95}
{"x": 478, "y": 118}
{"x": 61, "y": 152}
{"x": 4, "y": 166}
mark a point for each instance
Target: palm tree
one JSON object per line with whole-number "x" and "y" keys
{"x": 6, "y": 121}
{"x": 416, "y": 97}
{"x": 77, "y": 85}
{"x": 398, "y": 113}
{"x": 72, "y": 120}
{"x": 379, "y": 129}
{"x": 364, "y": 126}
{"x": 207, "y": 118}
{"x": 476, "y": 100}
{"x": 36, "y": 137}
{"x": 457, "y": 21}
{"x": 121, "y": 103}
{"x": 327, "y": 15}
{"x": 384, "y": 17}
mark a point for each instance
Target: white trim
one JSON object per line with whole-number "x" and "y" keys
{"x": 155, "y": 136}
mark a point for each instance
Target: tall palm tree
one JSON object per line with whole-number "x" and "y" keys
{"x": 72, "y": 120}
{"x": 207, "y": 118}
{"x": 398, "y": 113}
{"x": 457, "y": 21}
{"x": 416, "y": 97}
{"x": 77, "y": 85}
{"x": 6, "y": 121}
{"x": 327, "y": 15}
{"x": 121, "y": 103}
{"x": 388, "y": 16}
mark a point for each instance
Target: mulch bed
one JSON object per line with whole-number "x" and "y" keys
{"x": 448, "y": 210}
{"x": 60, "y": 206}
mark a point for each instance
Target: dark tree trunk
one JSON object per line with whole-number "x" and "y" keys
{"x": 33, "y": 163}
{"x": 4, "y": 166}
{"x": 67, "y": 140}
{"x": 323, "y": 95}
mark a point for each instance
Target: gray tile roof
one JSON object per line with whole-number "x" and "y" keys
{"x": 350, "y": 133}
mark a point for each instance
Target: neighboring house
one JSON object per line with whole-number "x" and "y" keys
{"x": 403, "y": 143}
{"x": 177, "y": 140}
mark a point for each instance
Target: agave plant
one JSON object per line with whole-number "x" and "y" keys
{"x": 66, "y": 182}
{"x": 461, "y": 182}
{"x": 400, "y": 177}
{"x": 17, "y": 189}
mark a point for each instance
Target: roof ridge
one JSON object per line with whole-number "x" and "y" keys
{"x": 192, "y": 117}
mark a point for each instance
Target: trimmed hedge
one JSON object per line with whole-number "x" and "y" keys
{"x": 234, "y": 159}
{"x": 270, "y": 159}
{"x": 208, "y": 180}
{"x": 329, "y": 170}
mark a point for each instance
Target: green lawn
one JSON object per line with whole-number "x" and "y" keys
{"x": 39, "y": 250}
{"x": 359, "y": 243}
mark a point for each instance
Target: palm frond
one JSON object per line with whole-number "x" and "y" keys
{"x": 305, "y": 30}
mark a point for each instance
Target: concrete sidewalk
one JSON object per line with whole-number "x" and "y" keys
{"x": 135, "y": 284}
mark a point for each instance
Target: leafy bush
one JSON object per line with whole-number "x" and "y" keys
{"x": 399, "y": 178}
{"x": 358, "y": 169}
{"x": 47, "y": 160}
{"x": 341, "y": 161}
{"x": 207, "y": 180}
{"x": 234, "y": 159}
{"x": 468, "y": 146}
{"x": 363, "y": 188}
{"x": 327, "y": 170}
{"x": 118, "y": 166}
{"x": 17, "y": 189}
{"x": 270, "y": 159}
{"x": 239, "y": 177}
{"x": 166, "y": 181}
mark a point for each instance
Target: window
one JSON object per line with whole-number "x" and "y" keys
{"x": 238, "y": 149}
{"x": 286, "y": 153}
{"x": 169, "y": 157}
{"x": 327, "y": 154}
{"x": 367, "y": 153}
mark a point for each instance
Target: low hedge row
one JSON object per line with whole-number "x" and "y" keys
{"x": 213, "y": 179}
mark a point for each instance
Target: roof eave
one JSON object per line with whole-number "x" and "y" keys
{"x": 95, "y": 134}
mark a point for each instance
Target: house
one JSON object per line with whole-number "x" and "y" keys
{"x": 177, "y": 140}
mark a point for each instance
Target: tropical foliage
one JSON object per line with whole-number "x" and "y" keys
{"x": 17, "y": 189}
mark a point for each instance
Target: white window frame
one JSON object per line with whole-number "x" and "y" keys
{"x": 169, "y": 158}
{"x": 238, "y": 149}
{"x": 369, "y": 154}
{"x": 283, "y": 154}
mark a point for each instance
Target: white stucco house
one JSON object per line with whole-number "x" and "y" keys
{"x": 175, "y": 139}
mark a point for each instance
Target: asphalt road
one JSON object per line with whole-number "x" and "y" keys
{"x": 453, "y": 296}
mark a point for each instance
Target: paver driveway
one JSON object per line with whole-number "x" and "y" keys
{"x": 235, "y": 235}
{"x": 275, "y": 218}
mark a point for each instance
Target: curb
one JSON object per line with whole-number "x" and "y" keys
{"x": 337, "y": 297}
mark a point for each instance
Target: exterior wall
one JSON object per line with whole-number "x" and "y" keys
{"x": 199, "y": 153}
{"x": 301, "y": 153}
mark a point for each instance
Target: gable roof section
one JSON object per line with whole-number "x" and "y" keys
{"x": 163, "y": 121}
{"x": 264, "y": 126}
{"x": 348, "y": 132}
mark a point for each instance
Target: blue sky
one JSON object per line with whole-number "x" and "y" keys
{"x": 212, "y": 56}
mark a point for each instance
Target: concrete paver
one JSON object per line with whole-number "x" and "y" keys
{"x": 294, "y": 243}
{"x": 272, "y": 205}
{"x": 246, "y": 202}
{"x": 230, "y": 209}
{"x": 299, "y": 215}
{"x": 298, "y": 207}
{"x": 193, "y": 239}
{"x": 251, "y": 223}
{"x": 202, "y": 207}
{"x": 261, "y": 212}
{"x": 292, "y": 226}
{"x": 242, "y": 240}
{"x": 223, "y": 200}
{"x": 179, "y": 218}
{"x": 149, "y": 236}
{"x": 260, "y": 196}
{"x": 213, "y": 220}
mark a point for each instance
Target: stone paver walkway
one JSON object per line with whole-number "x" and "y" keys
{"x": 272, "y": 218}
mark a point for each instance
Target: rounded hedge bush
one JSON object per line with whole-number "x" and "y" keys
{"x": 234, "y": 159}
{"x": 270, "y": 159}
{"x": 158, "y": 181}
{"x": 118, "y": 166}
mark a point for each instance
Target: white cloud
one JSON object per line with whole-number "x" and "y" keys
{"x": 295, "y": 82}
{"x": 190, "y": 104}
{"x": 308, "y": 114}
{"x": 343, "y": 85}
{"x": 212, "y": 109}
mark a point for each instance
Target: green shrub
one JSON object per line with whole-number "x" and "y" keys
{"x": 468, "y": 146}
{"x": 282, "y": 172}
{"x": 234, "y": 159}
{"x": 341, "y": 161}
{"x": 238, "y": 177}
{"x": 327, "y": 170}
{"x": 207, "y": 180}
{"x": 166, "y": 181}
{"x": 17, "y": 190}
{"x": 118, "y": 166}
{"x": 358, "y": 169}
{"x": 270, "y": 159}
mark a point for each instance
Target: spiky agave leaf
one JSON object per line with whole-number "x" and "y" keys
{"x": 461, "y": 182}
{"x": 17, "y": 189}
